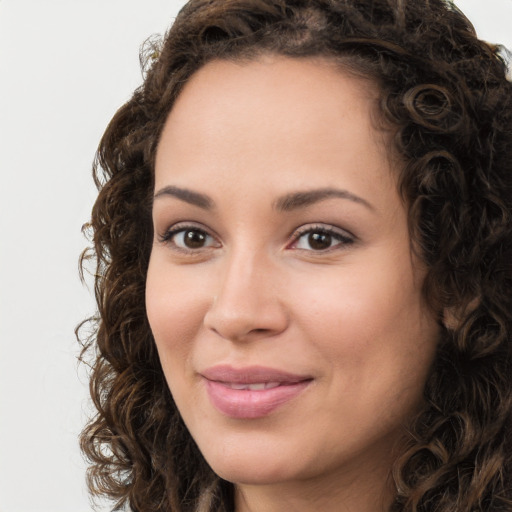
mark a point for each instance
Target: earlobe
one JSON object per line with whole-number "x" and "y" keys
{"x": 453, "y": 316}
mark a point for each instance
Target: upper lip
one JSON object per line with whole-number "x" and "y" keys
{"x": 251, "y": 375}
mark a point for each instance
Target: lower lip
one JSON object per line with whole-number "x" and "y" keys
{"x": 247, "y": 404}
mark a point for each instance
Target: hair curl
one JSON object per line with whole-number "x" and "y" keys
{"x": 446, "y": 95}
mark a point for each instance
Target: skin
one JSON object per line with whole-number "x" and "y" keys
{"x": 256, "y": 292}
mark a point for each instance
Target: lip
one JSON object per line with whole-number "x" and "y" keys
{"x": 247, "y": 403}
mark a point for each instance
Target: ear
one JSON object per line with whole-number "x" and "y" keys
{"x": 453, "y": 316}
{"x": 451, "y": 319}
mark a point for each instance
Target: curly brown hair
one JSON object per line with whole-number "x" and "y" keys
{"x": 447, "y": 96}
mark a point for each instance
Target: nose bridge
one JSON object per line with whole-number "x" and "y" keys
{"x": 247, "y": 299}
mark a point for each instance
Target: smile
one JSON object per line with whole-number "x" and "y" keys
{"x": 251, "y": 393}
{"x": 252, "y": 387}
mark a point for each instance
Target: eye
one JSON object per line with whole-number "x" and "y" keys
{"x": 320, "y": 238}
{"x": 189, "y": 238}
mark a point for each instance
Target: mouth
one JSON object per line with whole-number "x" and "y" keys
{"x": 259, "y": 386}
{"x": 251, "y": 392}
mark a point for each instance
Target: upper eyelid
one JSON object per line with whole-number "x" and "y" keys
{"x": 183, "y": 225}
{"x": 329, "y": 228}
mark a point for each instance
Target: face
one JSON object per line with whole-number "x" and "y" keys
{"x": 282, "y": 291}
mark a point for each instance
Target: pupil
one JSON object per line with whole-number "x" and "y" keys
{"x": 194, "y": 239}
{"x": 319, "y": 241}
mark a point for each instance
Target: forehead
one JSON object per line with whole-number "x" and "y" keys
{"x": 287, "y": 119}
{"x": 311, "y": 83}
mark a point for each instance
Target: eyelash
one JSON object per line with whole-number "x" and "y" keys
{"x": 169, "y": 236}
{"x": 343, "y": 238}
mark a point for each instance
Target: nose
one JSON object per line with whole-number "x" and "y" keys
{"x": 247, "y": 304}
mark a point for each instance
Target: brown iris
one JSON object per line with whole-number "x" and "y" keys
{"x": 194, "y": 239}
{"x": 319, "y": 241}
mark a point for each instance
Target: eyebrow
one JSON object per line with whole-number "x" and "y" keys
{"x": 286, "y": 203}
{"x": 296, "y": 200}
{"x": 189, "y": 196}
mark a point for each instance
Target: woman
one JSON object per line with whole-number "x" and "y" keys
{"x": 303, "y": 238}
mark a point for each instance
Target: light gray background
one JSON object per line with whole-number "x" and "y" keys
{"x": 65, "y": 67}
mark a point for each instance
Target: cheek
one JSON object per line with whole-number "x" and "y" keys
{"x": 370, "y": 323}
{"x": 362, "y": 302}
{"x": 175, "y": 308}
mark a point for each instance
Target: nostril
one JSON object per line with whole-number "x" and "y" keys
{"x": 245, "y": 324}
{"x": 238, "y": 315}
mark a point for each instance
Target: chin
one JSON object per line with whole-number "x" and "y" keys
{"x": 252, "y": 466}
{"x": 252, "y": 474}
